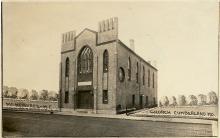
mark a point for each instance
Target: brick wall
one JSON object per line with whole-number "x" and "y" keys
{"x": 127, "y": 88}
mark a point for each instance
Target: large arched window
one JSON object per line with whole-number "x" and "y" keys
{"x": 67, "y": 68}
{"x": 85, "y": 61}
{"x": 105, "y": 61}
{"x": 129, "y": 68}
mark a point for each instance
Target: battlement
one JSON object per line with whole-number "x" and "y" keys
{"x": 68, "y": 37}
{"x": 109, "y": 24}
{"x": 68, "y": 41}
{"x": 108, "y": 30}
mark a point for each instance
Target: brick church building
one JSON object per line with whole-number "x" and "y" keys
{"x": 100, "y": 74}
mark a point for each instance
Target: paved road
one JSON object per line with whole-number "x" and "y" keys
{"x": 29, "y": 124}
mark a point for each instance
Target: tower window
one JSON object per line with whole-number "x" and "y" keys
{"x": 66, "y": 97}
{"x": 67, "y": 67}
{"x": 105, "y": 61}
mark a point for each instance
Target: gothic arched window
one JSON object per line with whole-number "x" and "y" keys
{"x": 143, "y": 76}
{"x": 85, "y": 61}
{"x": 105, "y": 61}
{"x": 129, "y": 68}
{"x": 67, "y": 68}
{"x": 148, "y": 78}
{"x": 137, "y": 73}
{"x": 153, "y": 80}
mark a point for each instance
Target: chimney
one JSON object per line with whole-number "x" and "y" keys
{"x": 132, "y": 44}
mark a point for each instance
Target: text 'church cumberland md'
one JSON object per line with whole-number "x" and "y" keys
{"x": 100, "y": 74}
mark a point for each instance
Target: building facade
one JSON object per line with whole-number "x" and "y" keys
{"x": 100, "y": 74}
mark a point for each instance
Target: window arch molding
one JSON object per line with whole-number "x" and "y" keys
{"x": 85, "y": 60}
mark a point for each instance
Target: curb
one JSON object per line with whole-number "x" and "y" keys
{"x": 156, "y": 119}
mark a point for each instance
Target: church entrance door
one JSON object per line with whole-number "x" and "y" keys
{"x": 85, "y": 100}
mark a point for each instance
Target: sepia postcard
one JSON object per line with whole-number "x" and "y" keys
{"x": 110, "y": 68}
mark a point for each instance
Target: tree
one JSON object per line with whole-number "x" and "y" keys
{"x": 173, "y": 101}
{"x": 193, "y": 100}
{"x": 181, "y": 100}
{"x": 52, "y": 95}
{"x": 34, "y": 95}
{"x": 5, "y": 91}
{"x": 23, "y": 94}
{"x": 164, "y": 101}
{"x": 44, "y": 95}
{"x": 212, "y": 98}
{"x": 202, "y": 99}
{"x": 12, "y": 92}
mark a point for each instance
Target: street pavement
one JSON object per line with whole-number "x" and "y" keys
{"x": 56, "y": 125}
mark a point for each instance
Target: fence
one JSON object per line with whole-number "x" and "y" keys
{"x": 29, "y": 105}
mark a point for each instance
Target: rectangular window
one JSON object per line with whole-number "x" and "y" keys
{"x": 105, "y": 97}
{"x": 133, "y": 100}
{"x": 66, "y": 97}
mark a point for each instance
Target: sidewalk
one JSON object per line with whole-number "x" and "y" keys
{"x": 124, "y": 116}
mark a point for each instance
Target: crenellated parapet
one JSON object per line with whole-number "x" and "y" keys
{"x": 108, "y": 30}
{"x": 68, "y": 41}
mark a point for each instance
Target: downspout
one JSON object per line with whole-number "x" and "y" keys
{"x": 60, "y": 87}
{"x": 116, "y": 62}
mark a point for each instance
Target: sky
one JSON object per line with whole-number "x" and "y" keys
{"x": 181, "y": 37}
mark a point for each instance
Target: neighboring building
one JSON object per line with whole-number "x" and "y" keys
{"x": 100, "y": 74}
